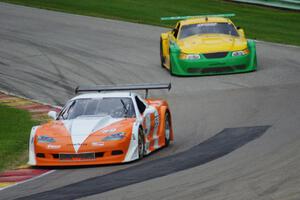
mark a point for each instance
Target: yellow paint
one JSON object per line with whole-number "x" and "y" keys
{"x": 5, "y": 184}
{"x": 19, "y": 103}
{"x": 23, "y": 166}
{"x": 9, "y": 100}
{"x": 206, "y": 43}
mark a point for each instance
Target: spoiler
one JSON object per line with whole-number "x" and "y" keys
{"x": 196, "y": 16}
{"x": 128, "y": 87}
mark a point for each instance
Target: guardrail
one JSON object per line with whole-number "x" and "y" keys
{"x": 284, "y": 4}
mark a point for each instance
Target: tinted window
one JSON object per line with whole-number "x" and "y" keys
{"x": 141, "y": 106}
{"x": 207, "y": 28}
{"x": 176, "y": 30}
{"x": 115, "y": 107}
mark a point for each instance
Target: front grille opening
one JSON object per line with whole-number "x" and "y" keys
{"x": 77, "y": 156}
{"x": 40, "y": 155}
{"x": 240, "y": 67}
{"x": 99, "y": 154}
{"x": 215, "y": 55}
{"x": 217, "y": 70}
{"x": 116, "y": 152}
{"x": 55, "y": 156}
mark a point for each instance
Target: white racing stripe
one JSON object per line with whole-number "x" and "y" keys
{"x": 81, "y": 128}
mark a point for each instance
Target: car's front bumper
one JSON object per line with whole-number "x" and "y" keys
{"x": 110, "y": 153}
{"x": 213, "y": 66}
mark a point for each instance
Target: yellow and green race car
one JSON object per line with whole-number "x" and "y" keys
{"x": 206, "y": 45}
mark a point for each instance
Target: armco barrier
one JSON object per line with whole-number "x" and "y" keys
{"x": 284, "y": 4}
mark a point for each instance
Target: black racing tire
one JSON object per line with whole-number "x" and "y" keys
{"x": 162, "y": 59}
{"x": 141, "y": 144}
{"x": 167, "y": 129}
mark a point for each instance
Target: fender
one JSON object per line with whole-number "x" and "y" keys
{"x": 252, "y": 47}
{"x": 165, "y": 44}
{"x": 132, "y": 153}
{"x": 163, "y": 110}
{"x": 32, "y": 160}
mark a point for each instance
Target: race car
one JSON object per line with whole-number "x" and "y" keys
{"x": 206, "y": 45}
{"x": 103, "y": 125}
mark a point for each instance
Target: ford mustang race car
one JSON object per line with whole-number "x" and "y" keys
{"x": 104, "y": 124}
{"x": 206, "y": 45}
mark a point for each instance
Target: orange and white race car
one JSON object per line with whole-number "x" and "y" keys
{"x": 104, "y": 125}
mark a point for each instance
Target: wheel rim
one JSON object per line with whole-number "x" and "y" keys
{"x": 167, "y": 128}
{"x": 140, "y": 146}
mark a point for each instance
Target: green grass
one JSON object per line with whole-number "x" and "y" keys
{"x": 15, "y": 126}
{"x": 259, "y": 22}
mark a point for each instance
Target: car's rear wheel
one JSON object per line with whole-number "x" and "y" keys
{"x": 167, "y": 129}
{"x": 141, "y": 144}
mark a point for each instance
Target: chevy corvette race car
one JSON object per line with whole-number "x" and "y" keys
{"x": 206, "y": 45}
{"x": 103, "y": 125}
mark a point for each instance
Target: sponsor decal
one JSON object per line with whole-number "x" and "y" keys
{"x": 109, "y": 130}
{"x": 147, "y": 124}
{"x": 98, "y": 144}
{"x": 156, "y": 120}
{"x": 53, "y": 146}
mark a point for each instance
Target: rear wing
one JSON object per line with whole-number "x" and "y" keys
{"x": 127, "y": 87}
{"x": 196, "y": 16}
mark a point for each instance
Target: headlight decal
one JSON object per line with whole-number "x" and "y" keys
{"x": 45, "y": 139}
{"x": 189, "y": 56}
{"x": 240, "y": 53}
{"x": 115, "y": 136}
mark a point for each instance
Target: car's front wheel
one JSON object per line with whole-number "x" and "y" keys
{"x": 167, "y": 129}
{"x": 141, "y": 144}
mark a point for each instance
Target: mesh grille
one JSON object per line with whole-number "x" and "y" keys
{"x": 80, "y": 156}
{"x": 215, "y": 55}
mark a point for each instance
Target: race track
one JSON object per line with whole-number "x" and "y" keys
{"x": 44, "y": 55}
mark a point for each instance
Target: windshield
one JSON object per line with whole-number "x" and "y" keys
{"x": 115, "y": 107}
{"x": 207, "y": 28}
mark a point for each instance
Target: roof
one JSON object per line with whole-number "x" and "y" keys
{"x": 104, "y": 94}
{"x": 199, "y": 20}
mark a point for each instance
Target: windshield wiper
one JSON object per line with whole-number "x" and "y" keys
{"x": 124, "y": 106}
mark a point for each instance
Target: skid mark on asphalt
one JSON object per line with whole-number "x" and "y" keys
{"x": 217, "y": 146}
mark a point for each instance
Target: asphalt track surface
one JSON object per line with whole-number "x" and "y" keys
{"x": 45, "y": 54}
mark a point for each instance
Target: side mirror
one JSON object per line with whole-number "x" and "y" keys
{"x": 52, "y": 114}
{"x": 241, "y": 32}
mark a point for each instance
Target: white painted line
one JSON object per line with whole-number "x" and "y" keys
{"x": 31, "y": 179}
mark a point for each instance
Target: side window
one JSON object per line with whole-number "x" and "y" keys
{"x": 141, "y": 106}
{"x": 176, "y": 30}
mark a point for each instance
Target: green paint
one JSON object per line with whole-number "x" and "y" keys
{"x": 220, "y": 65}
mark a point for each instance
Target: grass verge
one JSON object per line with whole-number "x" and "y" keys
{"x": 15, "y": 126}
{"x": 261, "y": 23}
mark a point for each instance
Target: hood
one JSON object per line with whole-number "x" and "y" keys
{"x": 211, "y": 43}
{"x": 76, "y": 131}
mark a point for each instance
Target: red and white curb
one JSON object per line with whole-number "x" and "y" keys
{"x": 38, "y": 112}
{"x": 12, "y": 178}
